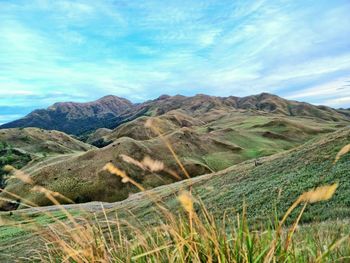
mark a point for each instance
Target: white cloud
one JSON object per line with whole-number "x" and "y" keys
{"x": 312, "y": 67}
{"x": 86, "y": 49}
{"x": 333, "y": 88}
{"x": 339, "y": 102}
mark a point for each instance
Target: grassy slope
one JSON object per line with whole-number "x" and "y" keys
{"x": 18, "y": 147}
{"x": 286, "y": 175}
{"x": 256, "y": 133}
{"x": 39, "y": 142}
{"x": 212, "y": 142}
{"x": 276, "y": 183}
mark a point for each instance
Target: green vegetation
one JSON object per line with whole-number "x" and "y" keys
{"x": 38, "y": 142}
{"x": 16, "y": 227}
{"x": 271, "y": 186}
{"x": 100, "y": 143}
{"x": 209, "y": 143}
{"x": 235, "y": 216}
{"x": 13, "y": 157}
{"x": 31, "y": 148}
{"x": 218, "y": 161}
{"x": 256, "y": 164}
{"x": 188, "y": 236}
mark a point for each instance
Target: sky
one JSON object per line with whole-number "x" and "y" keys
{"x": 80, "y": 50}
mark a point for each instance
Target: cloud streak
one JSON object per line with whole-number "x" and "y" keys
{"x": 81, "y": 50}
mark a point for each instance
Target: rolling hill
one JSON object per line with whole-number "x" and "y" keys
{"x": 277, "y": 182}
{"x": 208, "y": 134}
{"x": 32, "y": 146}
{"x": 209, "y": 142}
{"x": 39, "y": 141}
{"x": 111, "y": 111}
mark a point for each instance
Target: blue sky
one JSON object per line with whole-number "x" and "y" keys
{"x": 81, "y": 50}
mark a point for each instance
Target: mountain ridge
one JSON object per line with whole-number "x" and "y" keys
{"x": 210, "y": 140}
{"x": 111, "y": 111}
{"x": 73, "y": 117}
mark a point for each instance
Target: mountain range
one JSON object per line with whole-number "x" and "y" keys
{"x": 208, "y": 135}
{"x": 74, "y": 118}
{"x": 111, "y": 111}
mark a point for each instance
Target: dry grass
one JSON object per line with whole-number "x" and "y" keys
{"x": 191, "y": 234}
{"x": 342, "y": 152}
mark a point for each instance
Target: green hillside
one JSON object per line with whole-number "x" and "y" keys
{"x": 276, "y": 183}
{"x": 209, "y": 143}
{"x": 18, "y": 147}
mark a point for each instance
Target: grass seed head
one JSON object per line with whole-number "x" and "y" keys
{"x": 23, "y": 177}
{"x": 186, "y": 200}
{"x": 131, "y": 160}
{"x": 8, "y": 168}
{"x": 114, "y": 170}
{"x": 125, "y": 180}
{"x": 153, "y": 165}
{"x": 342, "y": 152}
{"x": 18, "y": 174}
{"x": 321, "y": 193}
{"x": 149, "y": 123}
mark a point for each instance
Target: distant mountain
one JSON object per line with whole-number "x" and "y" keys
{"x": 200, "y": 104}
{"x": 208, "y": 135}
{"x": 74, "y": 118}
{"x": 111, "y": 111}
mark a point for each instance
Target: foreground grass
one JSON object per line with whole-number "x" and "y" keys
{"x": 189, "y": 235}
{"x": 176, "y": 226}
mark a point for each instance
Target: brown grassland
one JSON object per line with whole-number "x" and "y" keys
{"x": 189, "y": 233}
